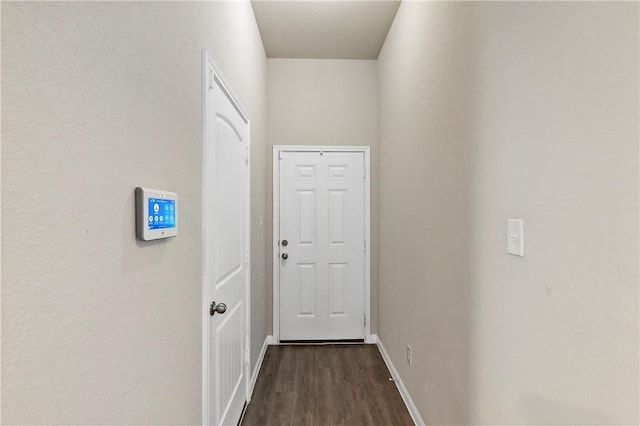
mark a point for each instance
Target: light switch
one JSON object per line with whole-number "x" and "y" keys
{"x": 515, "y": 237}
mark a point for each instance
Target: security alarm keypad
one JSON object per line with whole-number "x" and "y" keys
{"x": 156, "y": 214}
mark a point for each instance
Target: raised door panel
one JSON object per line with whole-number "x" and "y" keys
{"x": 306, "y": 290}
{"x": 337, "y": 217}
{"x": 338, "y": 282}
{"x": 230, "y": 200}
{"x": 229, "y": 357}
{"x": 306, "y": 217}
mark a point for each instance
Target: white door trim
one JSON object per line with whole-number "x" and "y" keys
{"x": 208, "y": 78}
{"x": 277, "y": 149}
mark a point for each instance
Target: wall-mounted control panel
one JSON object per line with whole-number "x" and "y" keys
{"x": 156, "y": 214}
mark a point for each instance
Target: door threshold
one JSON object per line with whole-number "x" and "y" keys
{"x": 322, "y": 342}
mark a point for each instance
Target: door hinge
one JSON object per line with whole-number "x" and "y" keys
{"x": 246, "y": 257}
{"x": 365, "y": 320}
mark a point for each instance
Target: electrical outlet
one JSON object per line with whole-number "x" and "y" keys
{"x": 409, "y": 356}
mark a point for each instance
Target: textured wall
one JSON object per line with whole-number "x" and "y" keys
{"x": 324, "y": 102}
{"x": 98, "y": 98}
{"x": 491, "y": 111}
{"x": 424, "y": 207}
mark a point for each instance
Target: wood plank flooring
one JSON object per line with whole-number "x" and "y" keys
{"x": 325, "y": 385}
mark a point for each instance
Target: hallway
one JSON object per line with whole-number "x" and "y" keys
{"x": 477, "y": 116}
{"x": 325, "y": 384}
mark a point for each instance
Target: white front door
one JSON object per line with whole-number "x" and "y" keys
{"x": 322, "y": 245}
{"x": 226, "y": 253}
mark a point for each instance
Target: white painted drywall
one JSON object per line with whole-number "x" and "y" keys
{"x": 324, "y": 29}
{"x": 496, "y": 110}
{"x": 98, "y": 98}
{"x": 324, "y": 102}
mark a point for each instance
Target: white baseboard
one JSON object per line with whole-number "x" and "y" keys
{"x": 371, "y": 339}
{"x": 404, "y": 393}
{"x": 268, "y": 340}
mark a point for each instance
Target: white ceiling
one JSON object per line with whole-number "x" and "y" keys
{"x": 329, "y": 29}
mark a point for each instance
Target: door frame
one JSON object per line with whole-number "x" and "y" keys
{"x": 210, "y": 75}
{"x": 277, "y": 149}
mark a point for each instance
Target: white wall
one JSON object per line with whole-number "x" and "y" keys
{"x": 324, "y": 102}
{"x": 98, "y": 98}
{"x": 491, "y": 111}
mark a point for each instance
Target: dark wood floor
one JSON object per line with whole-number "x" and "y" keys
{"x": 325, "y": 385}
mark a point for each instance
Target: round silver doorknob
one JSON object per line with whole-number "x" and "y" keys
{"x": 220, "y": 308}
{"x": 285, "y": 256}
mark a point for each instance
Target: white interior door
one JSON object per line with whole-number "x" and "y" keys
{"x": 322, "y": 245}
{"x": 226, "y": 253}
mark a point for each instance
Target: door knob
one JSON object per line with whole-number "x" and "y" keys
{"x": 220, "y": 308}
{"x": 285, "y": 243}
{"x": 285, "y": 256}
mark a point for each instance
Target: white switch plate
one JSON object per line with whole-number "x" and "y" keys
{"x": 515, "y": 237}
